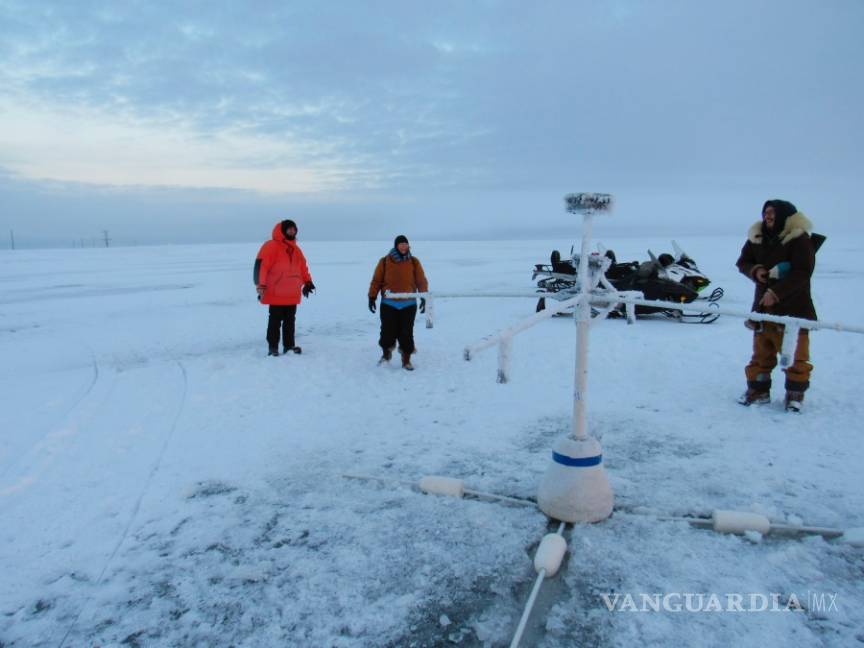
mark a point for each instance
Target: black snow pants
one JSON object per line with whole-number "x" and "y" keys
{"x": 397, "y": 324}
{"x": 281, "y": 317}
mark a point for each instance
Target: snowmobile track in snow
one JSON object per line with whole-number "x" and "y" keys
{"x": 69, "y": 411}
{"x": 153, "y": 470}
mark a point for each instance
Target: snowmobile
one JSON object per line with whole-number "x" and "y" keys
{"x": 666, "y": 277}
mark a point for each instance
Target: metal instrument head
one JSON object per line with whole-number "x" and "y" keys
{"x": 588, "y": 202}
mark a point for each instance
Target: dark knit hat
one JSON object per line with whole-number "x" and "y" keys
{"x": 286, "y": 224}
{"x": 783, "y": 209}
{"x": 400, "y": 239}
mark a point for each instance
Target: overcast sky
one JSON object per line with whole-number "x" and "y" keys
{"x": 209, "y": 121}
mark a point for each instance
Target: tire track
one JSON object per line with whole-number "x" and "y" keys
{"x": 60, "y": 419}
{"x": 154, "y": 469}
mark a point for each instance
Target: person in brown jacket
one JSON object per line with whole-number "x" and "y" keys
{"x": 398, "y": 272}
{"x": 779, "y": 257}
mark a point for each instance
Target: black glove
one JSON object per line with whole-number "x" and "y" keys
{"x": 422, "y": 304}
{"x": 372, "y": 305}
{"x": 308, "y": 288}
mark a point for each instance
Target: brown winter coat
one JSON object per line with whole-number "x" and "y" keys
{"x": 398, "y": 277}
{"x": 794, "y": 246}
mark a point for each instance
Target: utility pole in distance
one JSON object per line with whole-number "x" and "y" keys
{"x": 12, "y": 238}
{"x": 106, "y": 239}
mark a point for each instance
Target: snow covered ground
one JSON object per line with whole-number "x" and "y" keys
{"x": 164, "y": 483}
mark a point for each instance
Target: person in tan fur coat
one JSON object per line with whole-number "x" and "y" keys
{"x": 779, "y": 257}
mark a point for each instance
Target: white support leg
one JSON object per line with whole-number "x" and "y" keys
{"x": 430, "y": 311}
{"x": 787, "y": 348}
{"x": 505, "y": 348}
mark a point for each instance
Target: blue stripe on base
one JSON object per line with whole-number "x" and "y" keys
{"x": 582, "y": 462}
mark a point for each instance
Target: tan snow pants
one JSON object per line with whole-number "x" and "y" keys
{"x": 766, "y": 345}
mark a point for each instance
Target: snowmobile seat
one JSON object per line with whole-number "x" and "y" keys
{"x": 619, "y": 271}
{"x": 646, "y": 270}
{"x": 559, "y": 266}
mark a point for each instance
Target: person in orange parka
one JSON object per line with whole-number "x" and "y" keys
{"x": 280, "y": 276}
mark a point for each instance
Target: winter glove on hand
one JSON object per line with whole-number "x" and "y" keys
{"x": 372, "y": 305}
{"x": 308, "y": 288}
{"x": 769, "y": 299}
{"x": 260, "y": 291}
{"x": 760, "y": 274}
{"x": 422, "y": 304}
{"x": 780, "y": 270}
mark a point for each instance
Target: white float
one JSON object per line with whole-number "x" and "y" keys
{"x": 739, "y": 522}
{"x": 550, "y": 554}
{"x": 547, "y": 562}
{"x": 438, "y": 485}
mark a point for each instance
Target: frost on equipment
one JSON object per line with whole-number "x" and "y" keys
{"x": 676, "y": 279}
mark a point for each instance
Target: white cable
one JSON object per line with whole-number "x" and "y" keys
{"x": 467, "y": 491}
{"x": 529, "y": 606}
{"x": 503, "y": 498}
{"x": 826, "y": 532}
{"x": 383, "y": 480}
{"x": 823, "y": 531}
{"x": 676, "y": 518}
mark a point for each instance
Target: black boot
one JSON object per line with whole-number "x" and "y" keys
{"x": 758, "y": 391}
{"x": 406, "y": 362}
{"x": 386, "y": 355}
{"x": 755, "y": 397}
{"x": 274, "y": 351}
{"x": 794, "y": 401}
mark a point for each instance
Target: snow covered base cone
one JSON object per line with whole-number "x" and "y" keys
{"x": 576, "y": 488}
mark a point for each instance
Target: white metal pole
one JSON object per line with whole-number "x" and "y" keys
{"x": 696, "y": 307}
{"x": 504, "y": 352}
{"x": 430, "y": 311}
{"x": 492, "y": 340}
{"x": 583, "y": 321}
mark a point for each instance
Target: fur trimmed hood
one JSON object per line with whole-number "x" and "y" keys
{"x": 796, "y": 225}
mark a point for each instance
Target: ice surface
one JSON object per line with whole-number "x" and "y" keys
{"x": 163, "y": 482}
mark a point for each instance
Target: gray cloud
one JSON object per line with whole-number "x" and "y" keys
{"x": 399, "y": 106}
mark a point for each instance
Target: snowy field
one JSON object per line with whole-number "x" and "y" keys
{"x": 164, "y": 483}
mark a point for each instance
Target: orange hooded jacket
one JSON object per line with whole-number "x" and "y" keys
{"x": 280, "y": 268}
